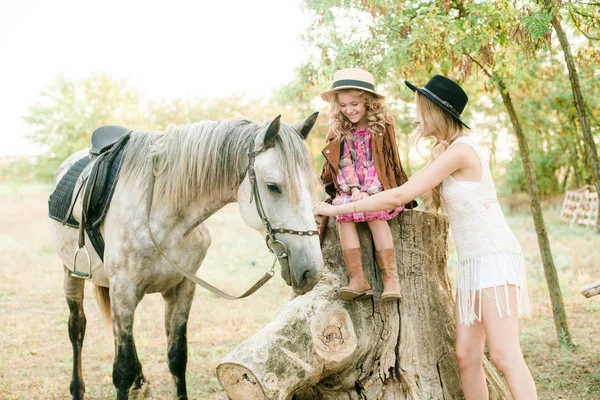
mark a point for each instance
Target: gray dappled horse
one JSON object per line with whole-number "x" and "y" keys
{"x": 198, "y": 169}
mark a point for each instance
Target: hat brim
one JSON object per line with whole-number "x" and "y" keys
{"x": 435, "y": 101}
{"x": 329, "y": 95}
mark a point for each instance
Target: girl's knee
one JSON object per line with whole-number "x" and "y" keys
{"x": 468, "y": 357}
{"x": 506, "y": 359}
{"x": 382, "y": 235}
{"x": 376, "y": 225}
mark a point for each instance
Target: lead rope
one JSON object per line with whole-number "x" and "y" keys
{"x": 268, "y": 275}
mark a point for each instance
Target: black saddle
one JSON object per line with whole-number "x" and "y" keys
{"x": 98, "y": 174}
{"x": 108, "y": 145}
{"x": 104, "y": 137}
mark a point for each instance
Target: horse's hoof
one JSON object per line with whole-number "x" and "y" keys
{"x": 141, "y": 390}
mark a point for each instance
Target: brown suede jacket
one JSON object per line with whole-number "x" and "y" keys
{"x": 387, "y": 163}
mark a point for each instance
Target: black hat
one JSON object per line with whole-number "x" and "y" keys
{"x": 445, "y": 93}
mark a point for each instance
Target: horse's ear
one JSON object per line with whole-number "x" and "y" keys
{"x": 271, "y": 133}
{"x": 304, "y": 127}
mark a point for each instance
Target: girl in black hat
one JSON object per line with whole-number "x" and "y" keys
{"x": 491, "y": 286}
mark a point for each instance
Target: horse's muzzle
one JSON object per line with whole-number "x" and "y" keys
{"x": 302, "y": 277}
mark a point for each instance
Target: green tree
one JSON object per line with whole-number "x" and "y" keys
{"x": 399, "y": 39}
{"x": 558, "y": 150}
{"x": 69, "y": 110}
{"x": 587, "y": 19}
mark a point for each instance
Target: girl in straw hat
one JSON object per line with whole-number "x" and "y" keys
{"x": 491, "y": 285}
{"x": 362, "y": 160}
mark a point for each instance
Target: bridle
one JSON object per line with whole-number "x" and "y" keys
{"x": 271, "y": 239}
{"x": 254, "y": 194}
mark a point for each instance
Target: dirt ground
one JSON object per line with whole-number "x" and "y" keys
{"x": 35, "y": 362}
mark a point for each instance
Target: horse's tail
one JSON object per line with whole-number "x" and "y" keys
{"x": 103, "y": 299}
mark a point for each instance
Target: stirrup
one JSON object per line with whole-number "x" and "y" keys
{"x": 81, "y": 274}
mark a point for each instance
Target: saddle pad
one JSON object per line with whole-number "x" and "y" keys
{"x": 60, "y": 200}
{"x": 108, "y": 166}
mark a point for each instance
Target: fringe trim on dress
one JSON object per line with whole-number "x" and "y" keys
{"x": 468, "y": 285}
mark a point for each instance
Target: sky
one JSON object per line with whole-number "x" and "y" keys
{"x": 165, "y": 49}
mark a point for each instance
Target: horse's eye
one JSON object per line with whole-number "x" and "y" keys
{"x": 273, "y": 188}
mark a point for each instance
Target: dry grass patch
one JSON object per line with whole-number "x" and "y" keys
{"x": 35, "y": 362}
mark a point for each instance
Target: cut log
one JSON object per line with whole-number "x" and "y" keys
{"x": 590, "y": 290}
{"x": 320, "y": 347}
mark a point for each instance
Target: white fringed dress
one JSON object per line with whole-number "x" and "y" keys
{"x": 489, "y": 255}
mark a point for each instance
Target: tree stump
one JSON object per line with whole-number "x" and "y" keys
{"x": 320, "y": 347}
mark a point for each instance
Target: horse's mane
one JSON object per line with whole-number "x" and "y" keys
{"x": 205, "y": 160}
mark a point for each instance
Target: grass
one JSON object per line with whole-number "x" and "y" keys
{"x": 560, "y": 373}
{"x": 35, "y": 362}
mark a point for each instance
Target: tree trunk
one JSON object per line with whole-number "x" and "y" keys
{"x": 558, "y": 307}
{"x": 320, "y": 347}
{"x": 588, "y": 139}
{"x": 591, "y": 290}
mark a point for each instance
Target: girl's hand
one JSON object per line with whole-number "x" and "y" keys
{"x": 363, "y": 195}
{"x": 355, "y": 194}
{"x": 324, "y": 209}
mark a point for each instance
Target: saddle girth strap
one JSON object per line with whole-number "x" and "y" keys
{"x": 84, "y": 226}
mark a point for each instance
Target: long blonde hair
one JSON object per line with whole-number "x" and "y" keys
{"x": 375, "y": 113}
{"x": 449, "y": 130}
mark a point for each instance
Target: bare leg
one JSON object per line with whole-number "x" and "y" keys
{"x": 127, "y": 370}
{"x": 178, "y": 302}
{"x": 74, "y": 288}
{"x": 503, "y": 342}
{"x": 349, "y": 236}
{"x": 382, "y": 234}
{"x": 470, "y": 343}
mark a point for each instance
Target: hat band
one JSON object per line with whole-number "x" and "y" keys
{"x": 444, "y": 102}
{"x": 352, "y": 82}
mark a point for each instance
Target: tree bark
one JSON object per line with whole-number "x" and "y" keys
{"x": 590, "y": 290}
{"x": 558, "y": 307}
{"x": 320, "y": 347}
{"x": 588, "y": 139}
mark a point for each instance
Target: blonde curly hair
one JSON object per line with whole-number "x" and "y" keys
{"x": 375, "y": 113}
{"x": 442, "y": 123}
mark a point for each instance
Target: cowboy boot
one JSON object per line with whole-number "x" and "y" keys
{"x": 358, "y": 286}
{"x": 386, "y": 259}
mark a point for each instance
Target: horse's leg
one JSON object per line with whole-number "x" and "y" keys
{"x": 74, "y": 293}
{"x": 127, "y": 369}
{"x": 178, "y": 302}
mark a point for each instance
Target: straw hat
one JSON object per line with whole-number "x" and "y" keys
{"x": 446, "y": 94}
{"x": 351, "y": 78}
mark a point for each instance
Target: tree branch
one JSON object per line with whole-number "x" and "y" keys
{"x": 593, "y": 3}
{"x": 591, "y": 289}
{"x": 578, "y": 25}
{"x": 485, "y": 71}
{"x": 403, "y": 35}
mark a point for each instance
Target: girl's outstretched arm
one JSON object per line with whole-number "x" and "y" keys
{"x": 451, "y": 160}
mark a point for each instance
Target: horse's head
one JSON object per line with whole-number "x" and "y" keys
{"x": 283, "y": 193}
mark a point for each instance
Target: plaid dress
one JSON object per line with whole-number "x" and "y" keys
{"x": 357, "y": 169}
